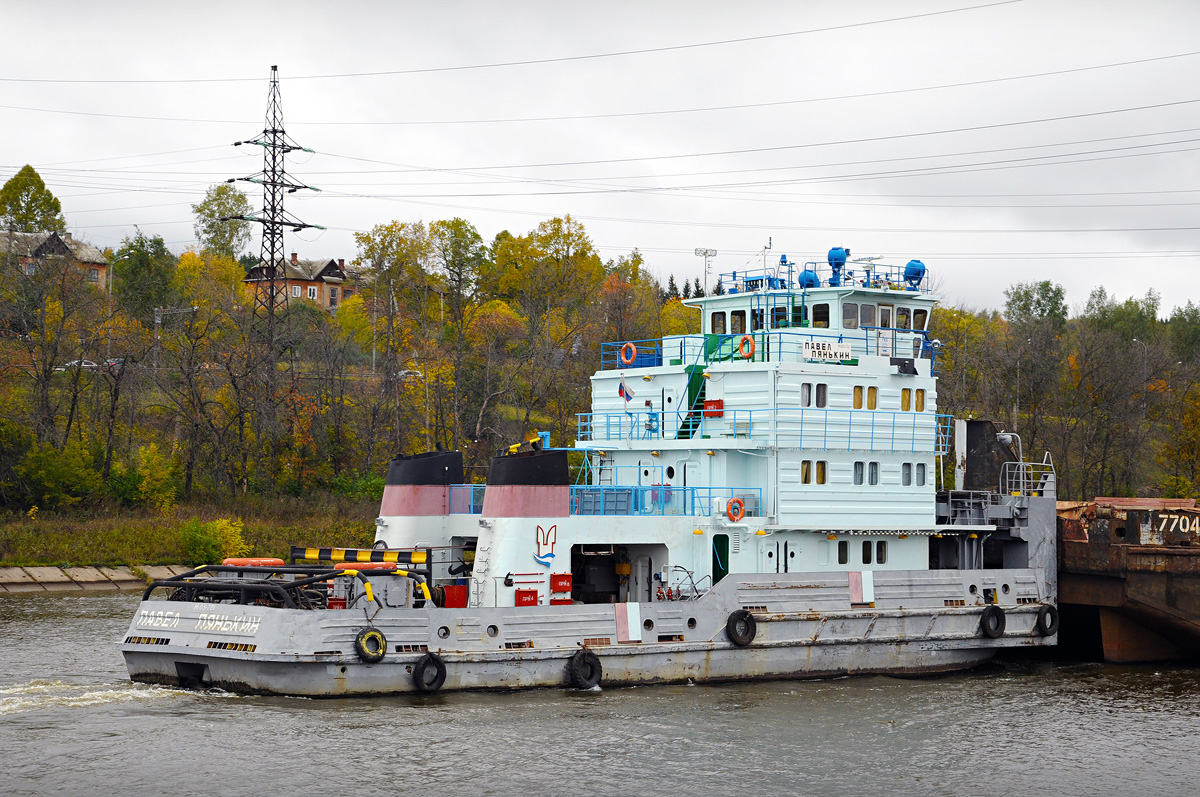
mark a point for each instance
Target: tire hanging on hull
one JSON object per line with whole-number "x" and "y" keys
{"x": 741, "y": 627}
{"x": 429, "y": 673}
{"x": 584, "y": 670}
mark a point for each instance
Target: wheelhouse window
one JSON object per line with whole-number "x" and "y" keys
{"x": 843, "y": 552}
{"x": 737, "y": 322}
{"x": 756, "y": 320}
{"x": 806, "y": 395}
{"x": 866, "y": 315}
{"x": 920, "y": 399}
{"x": 820, "y": 316}
{"x": 872, "y": 397}
{"x": 822, "y": 394}
{"x": 822, "y": 471}
{"x": 718, "y": 323}
{"x": 873, "y": 473}
{"x": 920, "y": 318}
{"x": 903, "y": 317}
{"x": 779, "y": 317}
{"x": 858, "y": 397}
{"x": 881, "y": 552}
{"x": 906, "y": 474}
{"x": 806, "y": 471}
{"x": 867, "y": 548}
{"x": 906, "y": 400}
{"x": 920, "y": 474}
{"x": 859, "y": 468}
{"x": 849, "y": 315}
{"x": 799, "y": 315}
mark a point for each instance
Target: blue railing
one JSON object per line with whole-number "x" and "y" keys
{"x": 769, "y": 346}
{"x": 788, "y": 277}
{"x": 831, "y": 430}
{"x": 661, "y": 499}
{"x": 466, "y": 499}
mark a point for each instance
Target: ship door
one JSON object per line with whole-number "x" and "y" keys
{"x": 884, "y": 333}
{"x": 720, "y": 557}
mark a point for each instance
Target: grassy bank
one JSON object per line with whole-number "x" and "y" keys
{"x": 120, "y": 537}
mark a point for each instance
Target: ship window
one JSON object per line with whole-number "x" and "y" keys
{"x": 718, "y": 323}
{"x": 867, "y": 547}
{"x": 756, "y": 320}
{"x": 881, "y": 552}
{"x": 858, "y": 397}
{"x": 849, "y": 315}
{"x": 822, "y": 394}
{"x": 737, "y": 322}
{"x": 906, "y": 399}
{"x": 822, "y": 471}
{"x": 779, "y": 317}
{"x": 799, "y": 315}
{"x": 873, "y": 473}
{"x": 920, "y": 318}
{"x": 920, "y": 400}
{"x": 920, "y": 474}
{"x": 806, "y": 395}
{"x": 843, "y": 552}
{"x": 872, "y": 397}
{"x": 859, "y": 467}
{"x": 806, "y": 471}
{"x": 906, "y": 474}
{"x": 866, "y": 315}
{"x": 902, "y": 316}
{"x": 820, "y": 316}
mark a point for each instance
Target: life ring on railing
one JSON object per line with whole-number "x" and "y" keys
{"x": 746, "y": 355}
{"x": 628, "y": 353}
{"x": 735, "y": 509}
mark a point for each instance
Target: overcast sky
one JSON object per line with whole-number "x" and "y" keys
{"x": 829, "y": 123}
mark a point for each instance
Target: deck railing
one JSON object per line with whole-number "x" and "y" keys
{"x": 832, "y": 430}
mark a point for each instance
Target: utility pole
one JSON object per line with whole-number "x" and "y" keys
{"x": 706, "y": 254}
{"x": 270, "y": 295}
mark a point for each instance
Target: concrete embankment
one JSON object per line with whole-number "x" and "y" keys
{"x": 82, "y": 579}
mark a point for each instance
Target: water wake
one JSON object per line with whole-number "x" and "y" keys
{"x": 42, "y": 693}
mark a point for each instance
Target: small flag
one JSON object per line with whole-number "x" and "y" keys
{"x": 624, "y": 391}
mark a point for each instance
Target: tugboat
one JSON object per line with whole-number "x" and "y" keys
{"x": 759, "y": 500}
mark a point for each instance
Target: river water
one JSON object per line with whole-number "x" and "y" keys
{"x": 70, "y": 721}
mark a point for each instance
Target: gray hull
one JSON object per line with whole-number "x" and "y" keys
{"x": 805, "y": 629}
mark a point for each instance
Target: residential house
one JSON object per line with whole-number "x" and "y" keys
{"x": 325, "y": 282}
{"x": 28, "y": 248}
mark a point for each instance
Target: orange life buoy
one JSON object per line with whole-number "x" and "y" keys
{"x": 742, "y": 347}
{"x": 736, "y": 510}
{"x": 628, "y": 353}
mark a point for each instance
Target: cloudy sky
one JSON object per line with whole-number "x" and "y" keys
{"x": 996, "y": 141}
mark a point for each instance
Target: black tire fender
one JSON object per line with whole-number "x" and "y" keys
{"x": 1047, "y": 620}
{"x": 992, "y": 622}
{"x": 584, "y": 670}
{"x": 429, "y": 673}
{"x": 741, "y": 627}
{"x": 370, "y": 645}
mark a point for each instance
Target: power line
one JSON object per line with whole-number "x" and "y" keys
{"x": 531, "y": 62}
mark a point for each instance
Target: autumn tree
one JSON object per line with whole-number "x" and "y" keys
{"x": 143, "y": 279}
{"x": 26, "y": 205}
{"x": 219, "y": 225}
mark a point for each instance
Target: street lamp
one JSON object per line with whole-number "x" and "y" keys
{"x": 706, "y": 254}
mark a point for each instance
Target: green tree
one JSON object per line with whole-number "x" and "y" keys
{"x": 144, "y": 278}
{"x": 672, "y": 288}
{"x": 227, "y": 238}
{"x": 26, "y": 205}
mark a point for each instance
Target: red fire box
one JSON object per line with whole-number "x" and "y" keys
{"x": 560, "y": 601}
{"x": 714, "y": 408}
{"x": 456, "y": 596}
{"x": 560, "y": 582}
{"x": 527, "y": 597}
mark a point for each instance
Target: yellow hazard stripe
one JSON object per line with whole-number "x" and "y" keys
{"x": 362, "y": 555}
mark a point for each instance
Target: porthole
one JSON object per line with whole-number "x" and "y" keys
{"x": 1120, "y": 532}
{"x": 492, "y": 630}
{"x": 646, "y": 472}
{"x": 1005, "y": 589}
{"x": 648, "y": 625}
{"x": 670, "y": 399}
{"x": 770, "y": 554}
{"x": 692, "y": 623}
{"x": 973, "y": 590}
{"x": 670, "y": 472}
{"x": 791, "y": 554}
{"x": 443, "y": 632}
{"x": 343, "y": 669}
